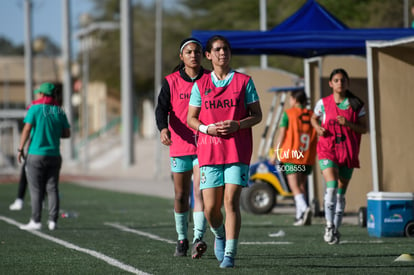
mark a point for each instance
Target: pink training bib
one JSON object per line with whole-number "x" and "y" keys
{"x": 340, "y": 144}
{"x": 220, "y": 104}
{"x": 182, "y": 136}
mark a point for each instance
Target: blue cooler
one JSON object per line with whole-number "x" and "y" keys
{"x": 388, "y": 213}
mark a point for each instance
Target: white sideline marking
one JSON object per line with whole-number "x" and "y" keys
{"x": 155, "y": 237}
{"x": 66, "y": 244}
{"x": 158, "y": 238}
{"x": 375, "y": 241}
{"x": 255, "y": 243}
{"x": 138, "y": 232}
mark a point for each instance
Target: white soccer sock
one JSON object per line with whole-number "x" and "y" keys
{"x": 330, "y": 205}
{"x": 339, "y": 211}
{"x": 300, "y": 205}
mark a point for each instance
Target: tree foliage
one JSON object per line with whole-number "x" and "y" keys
{"x": 7, "y": 47}
{"x": 48, "y": 47}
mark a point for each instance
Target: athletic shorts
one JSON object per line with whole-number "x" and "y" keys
{"x": 212, "y": 176}
{"x": 291, "y": 168}
{"x": 183, "y": 164}
{"x": 344, "y": 172}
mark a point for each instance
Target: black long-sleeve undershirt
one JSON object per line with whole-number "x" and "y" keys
{"x": 163, "y": 106}
{"x": 164, "y": 100}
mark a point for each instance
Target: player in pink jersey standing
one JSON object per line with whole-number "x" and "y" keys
{"x": 223, "y": 108}
{"x": 171, "y": 117}
{"x": 339, "y": 119}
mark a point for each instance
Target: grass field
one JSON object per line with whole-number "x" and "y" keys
{"x": 117, "y": 233}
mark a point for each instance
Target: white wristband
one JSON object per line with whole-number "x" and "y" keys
{"x": 203, "y": 128}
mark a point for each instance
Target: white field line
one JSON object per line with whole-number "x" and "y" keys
{"x": 260, "y": 243}
{"x": 374, "y": 241}
{"x": 155, "y": 237}
{"x": 138, "y": 232}
{"x": 90, "y": 252}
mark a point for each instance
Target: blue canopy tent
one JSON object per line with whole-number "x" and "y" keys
{"x": 311, "y": 31}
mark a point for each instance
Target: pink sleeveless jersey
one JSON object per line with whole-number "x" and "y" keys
{"x": 340, "y": 144}
{"x": 182, "y": 137}
{"x": 220, "y": 104}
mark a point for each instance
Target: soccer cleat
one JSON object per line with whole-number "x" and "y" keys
{"x": 298, "y": 222}
{"x": 228, "y": 262}
{"x": 329, "y": 232}
{"x": 32, "y": 225}
{"x": 181, "y": 248}
{"x": 219, "y": 246}
{"x": 51, "y": 225}
{"x": 335, "y": 238}
{"x": 199, "y": 247}
{"x": 307, "y": 217}
{"x": 16, "y": 205}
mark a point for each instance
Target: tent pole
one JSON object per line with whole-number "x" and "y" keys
{"x": 275, "y": 123}
{"x": 406, "y": 14}
{"x": 307, "y": 76}
{"x": 372, "y": 130}
{"x": 261, "y": 153}
{"x": 307, "y": 83}
{"x": 263, "y": 27}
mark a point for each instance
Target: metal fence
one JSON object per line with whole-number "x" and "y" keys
{"x": 9, "y": 142}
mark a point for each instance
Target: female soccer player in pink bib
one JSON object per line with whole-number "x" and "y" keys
{"x": 223, "y": 108}
{"x": 339, "y": 119}
{"x": 171, "y": 117}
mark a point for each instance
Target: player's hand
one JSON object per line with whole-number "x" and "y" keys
{"x": 212, "y": 130}
{"x": 320, "y": 131}
{"x": 165, "y": 137}
{"x": 227, "y": 127}
{"x": 341, "y": 120}
{"x": 20, "y": 156}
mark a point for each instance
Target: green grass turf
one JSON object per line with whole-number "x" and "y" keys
{"x": 25, "y": 253}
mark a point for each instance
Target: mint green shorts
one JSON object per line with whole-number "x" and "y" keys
{"x": 183, "y": 164}
{"x": 344, "y": 172}
{"x": 212, "y": 176}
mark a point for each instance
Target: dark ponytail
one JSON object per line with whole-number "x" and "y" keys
{"x": 355, "y": 102}
{"x": 300, "y": 97}
{"x": 178, "y": 67}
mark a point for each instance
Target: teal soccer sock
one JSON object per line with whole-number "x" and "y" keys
{"x": 231, "y": 248}
{"x": 219, "y": 231}
{"x": 199, "y": 225}
{"x": 181, "y": 224}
